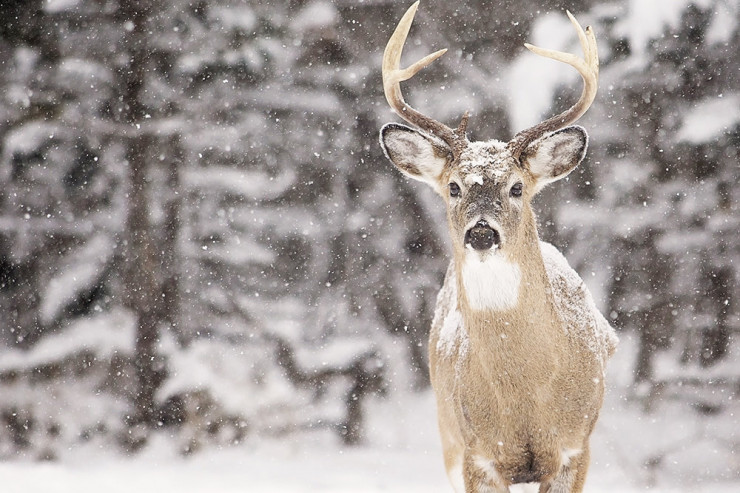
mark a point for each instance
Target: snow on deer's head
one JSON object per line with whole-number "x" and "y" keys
{"x": 486, "y": 188}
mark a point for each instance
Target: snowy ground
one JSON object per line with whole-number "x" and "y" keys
{"x": 404, "y": 456}
{"x": 373, "y": 469}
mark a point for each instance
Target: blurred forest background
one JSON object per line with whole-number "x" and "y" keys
{"x": 200, "y": 236}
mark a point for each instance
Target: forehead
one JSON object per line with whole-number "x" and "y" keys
{"x": 485, "y": 160}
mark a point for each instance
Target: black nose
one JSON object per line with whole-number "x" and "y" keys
{"x": 482, "y": 236}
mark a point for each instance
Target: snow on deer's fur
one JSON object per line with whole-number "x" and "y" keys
{"x": 517, "y": 347}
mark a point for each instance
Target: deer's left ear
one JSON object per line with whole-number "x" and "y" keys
{"x": 554, "y": 155}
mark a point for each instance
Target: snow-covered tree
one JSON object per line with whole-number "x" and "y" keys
{"x": 214, "y": 166}
{"x": 662, "y": 163}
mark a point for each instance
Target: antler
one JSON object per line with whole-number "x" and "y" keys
{"x": 588, "y": 67}
{"x": 393, "y": 75}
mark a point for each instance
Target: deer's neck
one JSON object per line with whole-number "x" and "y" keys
{"x": 502, "y": 281}
{"x": 491, "y": 283}
{"x": 501, "y": 284}
{"x": 504, "y": 292}
{"x": 518, "y": 324}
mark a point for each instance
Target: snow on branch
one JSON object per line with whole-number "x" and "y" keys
{"x": 250, "y": 184}
{"x": 104, "y": 335}
{"x": 79, "y": 271}
{"x": 708, "y": 120}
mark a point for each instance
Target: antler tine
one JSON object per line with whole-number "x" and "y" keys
{"x": 587, "y": 67}
{"x": 393, "y": 75}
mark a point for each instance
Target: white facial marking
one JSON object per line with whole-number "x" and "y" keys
{"x": 473, "y": 179}
{"x": 492, "y": 283}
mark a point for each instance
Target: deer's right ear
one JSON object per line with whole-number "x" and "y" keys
{"x": 417, "y": 155}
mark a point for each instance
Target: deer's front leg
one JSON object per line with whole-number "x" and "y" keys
{"x": 480, "y": 475}
{"x": 571, "y": 477}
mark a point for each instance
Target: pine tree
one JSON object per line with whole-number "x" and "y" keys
{"x": 200, "y": 231}
{"x": 661, "y": 162}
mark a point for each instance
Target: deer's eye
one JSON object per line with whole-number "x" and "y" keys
{"x": 516, "y": 190}
{"x": 454, "y": 189}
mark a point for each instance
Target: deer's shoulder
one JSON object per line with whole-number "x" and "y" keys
{"x": 576, "y": 306}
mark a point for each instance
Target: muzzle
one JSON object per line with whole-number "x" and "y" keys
{"x": 482, "y": 236}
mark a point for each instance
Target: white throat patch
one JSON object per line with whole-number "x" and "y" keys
{"x": 491, "y": 284}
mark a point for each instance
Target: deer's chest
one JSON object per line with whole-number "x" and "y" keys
{"x": 491, "y": 283}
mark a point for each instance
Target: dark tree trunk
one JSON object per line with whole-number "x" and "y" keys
{"x": 716, "y": 339}
{"x": 169, "y": 251}
{"x": 143, "y": 289}
{"x": 143, "y": 263}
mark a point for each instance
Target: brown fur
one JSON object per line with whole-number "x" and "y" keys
{"x": 533, "y": 391}
{"x": 517, "y": 349}
{"x": 520, "y": 391}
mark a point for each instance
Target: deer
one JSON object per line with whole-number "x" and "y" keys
{"x": 517, "y": 347}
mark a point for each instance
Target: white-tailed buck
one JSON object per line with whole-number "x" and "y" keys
{"x": 517, "y": 346}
